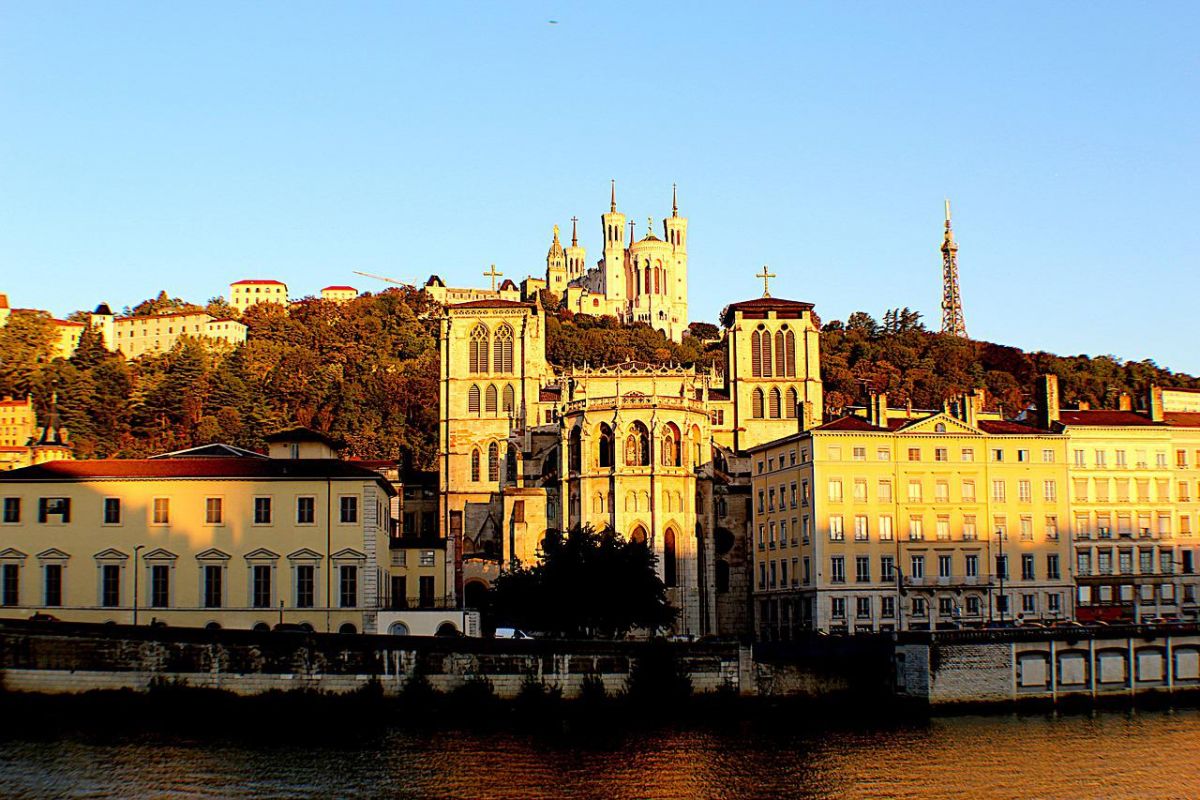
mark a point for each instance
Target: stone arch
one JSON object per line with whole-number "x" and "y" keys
{"x": 666, "y": 495}
{"x": 756, "y": 404}
{"x": 478, "y": 349}
{"x": 670, "y": 567}
{"x": 474, "y": 397}
{"x": 447, "y": 628}
{"x": 509, "y": 402}
{"x": 502, "y": 355}
{"x": 597, "y": 503}
{"x": 347, "y": 627}
{"x": 780, "y": 354}
{"x": 574, "y": 449}
{"x": 766, "y": 354}
{"x": 793, "y": 401}
{"x": 398, "y": 629}
{"x": 639, "y": 534}
{"x": 475, "y": 461}
{"x": 261, "y": 627}
{"x": 671, "y": 445}
{"x": 494, "y": 461}
{"x": 605, "y": 447}
{"x": 637, "y": 445}
{"x": 475, "y": 593}
{"x": 775, "y": 401}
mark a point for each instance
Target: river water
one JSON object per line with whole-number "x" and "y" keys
{"x": 1112, "y": 754}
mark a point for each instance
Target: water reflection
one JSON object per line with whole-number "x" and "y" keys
{"x": 1138, "y": 754}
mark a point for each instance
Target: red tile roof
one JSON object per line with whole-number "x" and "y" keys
{"x": 339, "y": 289}
{"x": 1007, "y": 426}
{"x": 853, "y": 423}
{"x": 492, "y": 304}
{"x": 254, "y": 282}
{"x": 3, "y": 301}
{"x": 62, "y": 323}
{"x": 760, "y": 306}
{"x": 1103, "y": 416}
{"x": 1182, "y": 419}
{"x": 170, "y": 468}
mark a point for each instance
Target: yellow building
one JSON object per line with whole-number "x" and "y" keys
{"x": 66, "y": 337}
{"x": 213, "y": 536}
{"x": 339, "y": 294}
{"x": 5, "y": 311}
{"x": 250, "y": 292}
{"x": 137, "y": 336}
{"x": 525, "y": 448}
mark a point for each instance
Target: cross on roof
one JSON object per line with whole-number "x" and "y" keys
{"x": 766, "y": 276}
{"x": 493, "y": 275}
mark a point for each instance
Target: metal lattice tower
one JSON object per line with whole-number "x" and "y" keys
{"x": 952, "y": 311}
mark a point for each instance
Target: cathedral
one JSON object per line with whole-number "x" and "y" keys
{"x": 655, "y": 452}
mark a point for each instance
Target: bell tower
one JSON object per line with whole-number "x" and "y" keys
{"x": 576, "y": 255}
{"x": 614, "y": 250}
{"x": 675, "y": 228}
{"x": 556, "y": 267}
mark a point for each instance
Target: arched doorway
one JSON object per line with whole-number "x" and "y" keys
{"x": 347, "y": 627}
{"x": 398, "y": 629}
{"x": 670, "y": 578}
{"x": 261, "y": 627}
{"x": 475, "y": 594}
{"x": 447, "y": 629}
{"x": 638, "y": 534}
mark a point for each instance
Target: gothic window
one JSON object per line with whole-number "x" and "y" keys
{"x": 638, "y": 535}
{"x": 479, "y": 349}
{"x": 490, "y": 399}
{"x": 756, "y": 408}
{"x": 637, "y": 446}
{"x": 766, "y": 353}
{"x": 646, "y": 271}
{"x": 574, "y": 448}
{"x": 606, "y": 446}
{"x": 695, "y": 445}
{"x": 774, "y": 409}
{"x": 475, "y": 465}
{"x": 510, "y": 466}
{"x": 670, "y": 445}
{"x": 755, "y": 355}
{"x": 493, "y": 462}
{"x": 780, "y": 353}
{"x": 502, "y": 350}
{"x": 793, "y": 400}
{"x": 669, "y": 576}
{"x": 473, "y": 400}
{"x": 790, "y": 358}
{"x": 630, "y": 502}
{"x": 510, "y": 399}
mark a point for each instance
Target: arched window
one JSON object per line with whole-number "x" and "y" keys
{"x": 780, "y": 352}
{"x": 502, "y": 350}
{"x": 766, "y": 354}
{"x": 510, "y": 465}
{"x": 793, "y": 400}
{"x": 790, "y": 358}
{"x": 666, "y": 501}
{"x": 597, "y": 503}
{"x": 473, "y": 400}
{"x": 490, "y": 399}
{"x": 670, "y": 445}
{"x": 774, "y": 408}
{"x": 657, "y": 280}
{"x": 638, "y": 535}
{"x": 756, "y": 408}
{"x": 696, "y": 445}
{"x": 510, "y": 399}
{"x": 494, "y": 461}
{"x": 606, "y": 446}
{"x": 669, "y": 576}
{"x": 637, "y": 446}
{"x": 630, "y": 502}
{"x": 646, "y": 272}
{"x": 475, "y": 465}
{"x": 755, "y": 354}
{"x": 479, "y": 349}
{"x": 574, "y": 448}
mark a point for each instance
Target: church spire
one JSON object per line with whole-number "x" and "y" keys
{"x": 613, "y": 204}
{"x": 674, "y": 201}
{"x": 574, "y": 232}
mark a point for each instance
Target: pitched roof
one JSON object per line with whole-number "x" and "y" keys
{"x": 851, "y": 422}
{"x": 507, "y": 285}
{"x": 1007, "y": 426}
{"x": 1104, "y": 417}
{"x": 758, "y": 308}
{"x": 492, "y": 304}
{"x": 257, "y": 282}
{"x": 339, "y": 289}
{"x": 1182, "y": 419}
{"x": 301, "y": 434}
{"x": 233, "y": 468}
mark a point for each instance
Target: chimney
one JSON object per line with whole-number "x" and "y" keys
{"x": 1154, "y": 403}
{"x": 807, "y": 415}
{"x": 1047, "y": 401}
{"x": 877, "y": 410}
{"x": 971, "y": 404}
{"x": 1125, "y": 402}
{"x": 1084, "y": 405}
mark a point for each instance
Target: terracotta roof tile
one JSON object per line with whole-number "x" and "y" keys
{"x": 492, "y": 304}
{"x": 852, "y": 423}
{"x": 1104, "y": 417}
{"x": 257, "y": 282}
{"x": 339, "y": 289}
{"x": 1182, "y": 419}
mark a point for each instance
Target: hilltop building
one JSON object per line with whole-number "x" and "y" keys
{"x": 137, "y": 336}
{"x": 251, "y": 292}
{"x": 339, "y": 294}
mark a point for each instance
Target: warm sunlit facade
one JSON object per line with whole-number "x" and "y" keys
{"x": 251, "y": 292}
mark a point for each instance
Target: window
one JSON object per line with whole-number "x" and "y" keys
{"x": 916, "y": 529}
{"x": 860, "y": 490}
{"x": 968, "y": 454}
{"x": 1002, "y": 566}
{"x": 1051, "y": 527}
{"x": 213, "y": 574}
{"x": 306, "y": 510}
{"x": 1022, "y": 456}
{"x": 1024, "y": 491}
{"x": 914, "y": 454}
{"x": 941, "y": 454}
{"x": 349, "y": 509}
{"x": 837, "y": 569}
{"x": 1104, "y": 562}
{"x": 860, "y": 529}
{"x": 997, "y": 455}
{"x": 1050, "y": 491}
{"x": 161, "y": 513}
{"x": 914, "y": 491}
{"x": 969, "y": 531}
{"x": 1083, "y": 562}
{"x": 1026, "y": 524}
{"x": 837, "y": 607}
{"x": 862, "y": 569}
{"x": 1054, "y": 602}
{"x": 973, "y": 605}
{"x": 10, "y": 587}
{"x": 887, "y": 568}
{"x": 968, "y": 491}
{"x": 862, "y": 607}
{"x": 1080, "y": 459}
{"x": 945, "y": 566}
{"x": 306, "y": 585}
{"x": 945, "y": 606}
{"x": 887, "y": 607}
{"x": 160, "y": 586}
{"x": 941, "y": 491}
{"x": 261, "y": 593}
{"x": 1029, "y": 603}
{"x": 998, "y": 492}
{"x": 835, "y": 490}
{"x": 971, "y": 565}
{"x": 943, "y": 529}
{"x": 859, "y": 454}
{"x": 59, "y": 507}
{"x": 51, "y": 585}
{"x": 110, "y": 585}
{"x": 12, "y": 510}
{"x": 916, "y": 567}
{"x": 1047, "y": 456}
{"x": 262, "y": 511}
{"x": 426, "y": 558}
{"x": 885, "y": 491}
{"x": 214, "y": 511}
{"x": 919, "y": 608}
{"x": 883, "y": 454}
{"x": 112, "y": 511}
{"x": 348, "y": 586}
{"x": 836, "y": 532}
{"x": 1027, "y": 568}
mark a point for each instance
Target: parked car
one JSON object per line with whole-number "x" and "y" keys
{"x": 511, "y": 633}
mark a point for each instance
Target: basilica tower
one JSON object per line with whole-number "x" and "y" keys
{"x": 613, "y": 264}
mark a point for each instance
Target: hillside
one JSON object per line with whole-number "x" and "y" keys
{"x": 366, "y": 372}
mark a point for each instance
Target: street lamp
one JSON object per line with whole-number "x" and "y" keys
{"x": 1001, "y": 569}
{"x": 136, "y": 550}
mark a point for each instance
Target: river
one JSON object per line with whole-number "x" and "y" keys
{"x": 1111, "y": 754}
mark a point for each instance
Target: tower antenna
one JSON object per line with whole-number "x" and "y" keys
{"x": 953, "y": 321}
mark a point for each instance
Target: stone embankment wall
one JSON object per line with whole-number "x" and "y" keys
{"x": 984, "y": 667}
{"x": 61, "y": 658}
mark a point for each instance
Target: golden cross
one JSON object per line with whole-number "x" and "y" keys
{"x": 493, "y": 275}
{"x": 766, "y": 276}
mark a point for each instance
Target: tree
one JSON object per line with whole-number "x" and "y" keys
{"x": 588, "y": 583}
{"x": 161, "y": 304}
{"x": 220, "y": 308}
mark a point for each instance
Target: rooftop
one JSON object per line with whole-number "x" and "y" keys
{"x": 761, "y": 306}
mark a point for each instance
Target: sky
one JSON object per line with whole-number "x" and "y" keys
{"x": 182, "y": 146}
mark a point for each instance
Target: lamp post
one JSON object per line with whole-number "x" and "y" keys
{"x": 899, "y": 598}
{"x": 137, "y": 549}
{"x": 1001, "y": 568}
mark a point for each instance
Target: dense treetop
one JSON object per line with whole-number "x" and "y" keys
{"x": 366, "y": 372}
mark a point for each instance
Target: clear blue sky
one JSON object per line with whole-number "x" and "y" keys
{"x": 177, "y": 146}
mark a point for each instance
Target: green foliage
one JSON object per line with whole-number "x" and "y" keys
{"x": 586, "y": 584}
{"x": 160, "y": 304}
{"x": 26, "y": 346}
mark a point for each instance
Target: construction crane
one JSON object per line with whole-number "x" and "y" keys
{"x": 405, "y": 284}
